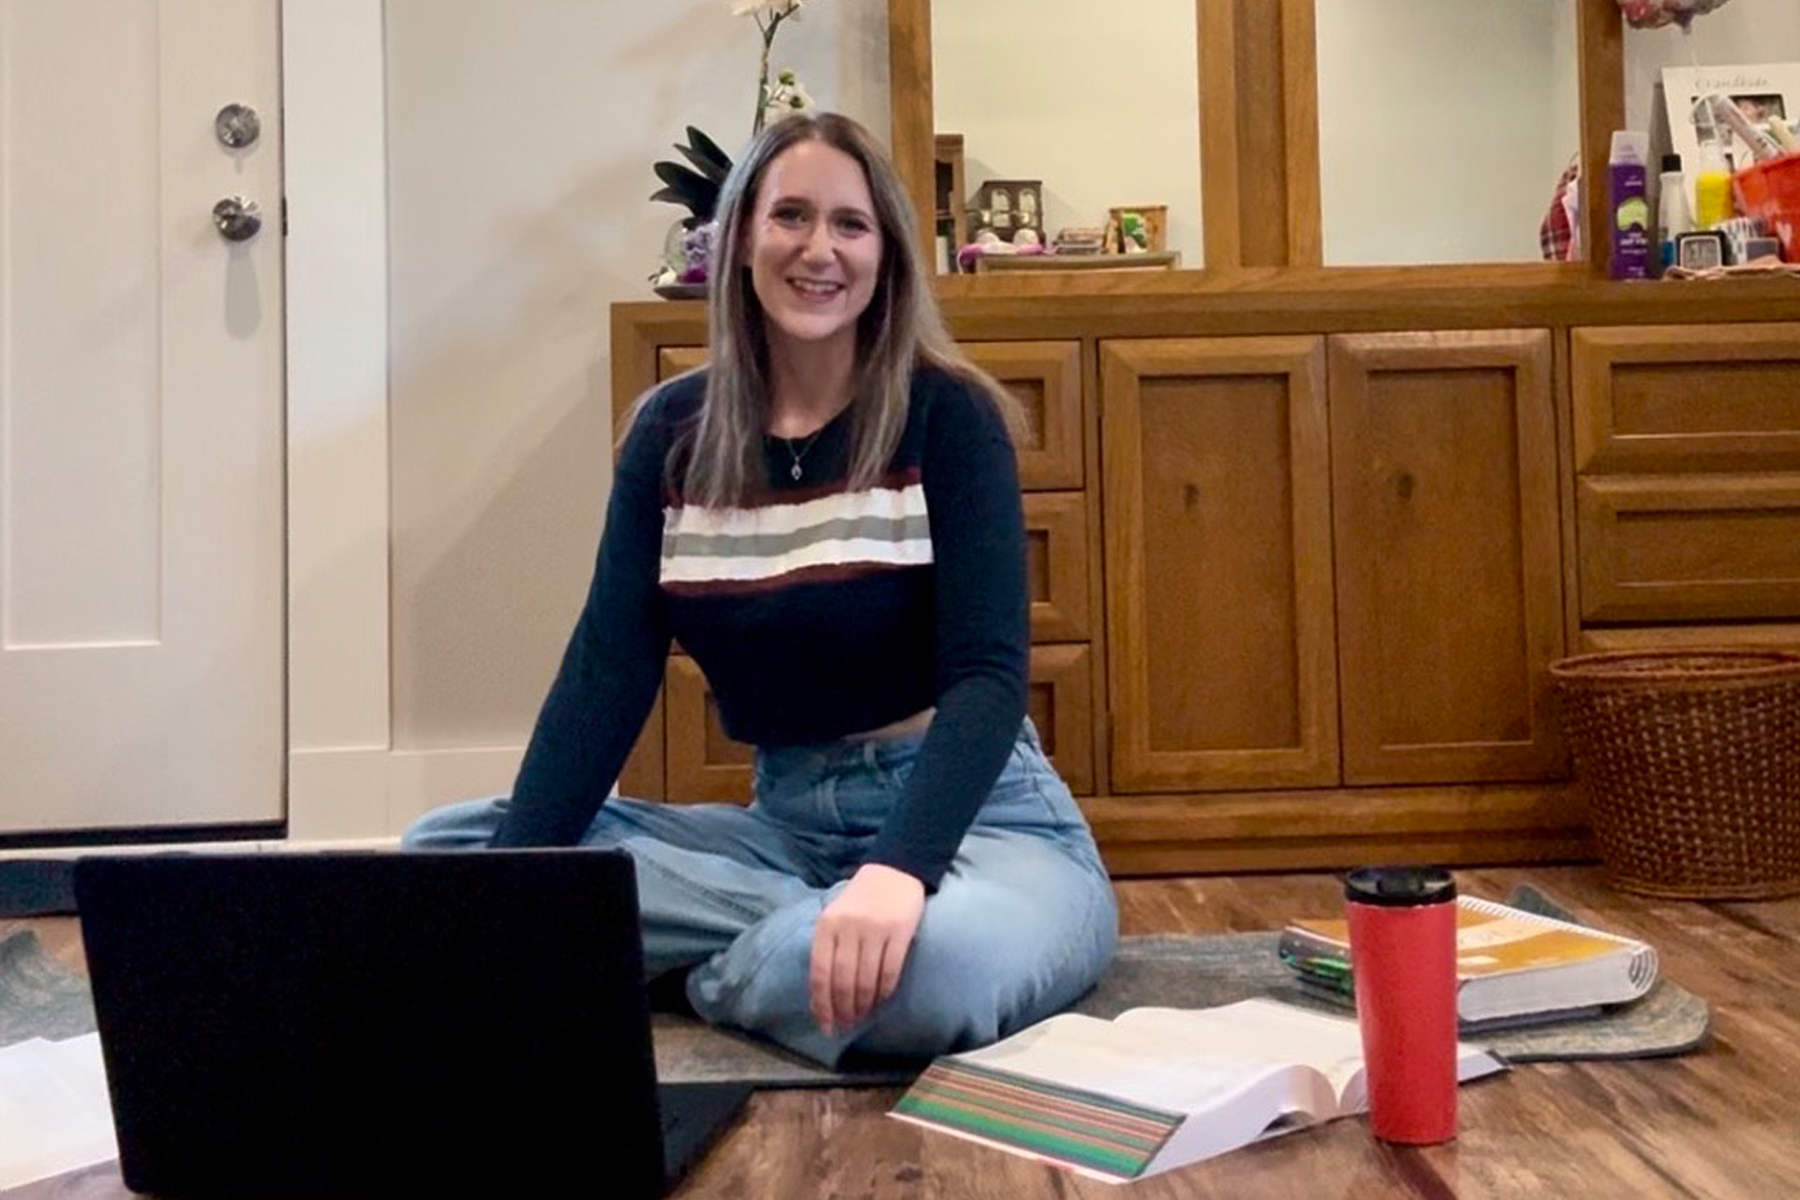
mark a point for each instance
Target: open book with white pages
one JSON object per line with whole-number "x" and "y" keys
{"x": 55, "y": 1112}
{"x": 1153, "y": 1088}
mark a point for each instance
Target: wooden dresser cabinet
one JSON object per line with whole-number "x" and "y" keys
{"x": 1299, "y": 561}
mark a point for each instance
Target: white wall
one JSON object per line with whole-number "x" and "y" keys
{"x": 520, "y": 140}
{"x": 335, "y": 156}
{"x": 1442, "y": 127}
{"x": 1105, "y": 110}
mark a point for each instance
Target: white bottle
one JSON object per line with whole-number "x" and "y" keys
{"x": 1672, "y": 212}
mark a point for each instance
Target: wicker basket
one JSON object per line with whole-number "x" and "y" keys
{"x": 1691, "y": 760}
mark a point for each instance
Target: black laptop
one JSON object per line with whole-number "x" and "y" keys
{"x": 398, "y": 1024}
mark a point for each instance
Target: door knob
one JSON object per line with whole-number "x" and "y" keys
{"x": 237, "y": 219}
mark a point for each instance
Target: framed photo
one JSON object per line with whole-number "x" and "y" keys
{"x": 1139, "y": 228}
{"x": 1765, "y": 93}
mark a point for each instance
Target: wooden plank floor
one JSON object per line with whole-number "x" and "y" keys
{"x": 1723, "y": 1123}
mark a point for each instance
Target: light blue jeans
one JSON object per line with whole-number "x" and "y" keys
{"x": 1021, "y": 925}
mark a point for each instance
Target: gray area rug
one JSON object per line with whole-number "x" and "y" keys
{"x": 41, "y": 998}
{"x": 1178, "y": 971}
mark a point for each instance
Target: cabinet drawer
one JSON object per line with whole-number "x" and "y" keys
{"x": 1688, "y": 637}
{"x": 1061, "y": 705}
{"x": 673, "y": 360}
{"x": 704, "y": 764}
{"x": 1056, "y": 566}
{"x": 1686, "y": 548}
{"x": 1046, "y": 379}
{"x": 1687, "y": 398}
{"x": 700, "y": 759}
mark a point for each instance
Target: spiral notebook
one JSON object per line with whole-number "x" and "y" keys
{"x": 1511, "y": 964}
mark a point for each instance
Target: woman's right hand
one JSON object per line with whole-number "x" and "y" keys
{"x": 860, "y": 945}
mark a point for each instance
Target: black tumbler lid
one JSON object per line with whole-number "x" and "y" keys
{"x": 1399, "y": 887}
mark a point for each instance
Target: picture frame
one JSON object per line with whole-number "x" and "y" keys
{"x": 1766, "y": 91}
{"x": 1144, "y": 225}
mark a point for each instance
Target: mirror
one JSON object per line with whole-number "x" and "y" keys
{"x": 1066, "y": 112}
{"x": 1443, "y": 127}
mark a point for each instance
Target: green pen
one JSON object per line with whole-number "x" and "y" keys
{"x": 1333, "y": 973}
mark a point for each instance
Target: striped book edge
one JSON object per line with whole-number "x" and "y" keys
{"x": 1087, "y": 1131}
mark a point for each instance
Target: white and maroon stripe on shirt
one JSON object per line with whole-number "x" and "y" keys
{"x": 836, "y": 535}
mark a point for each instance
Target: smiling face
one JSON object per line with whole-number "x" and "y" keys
{"x": 814, "y": 246}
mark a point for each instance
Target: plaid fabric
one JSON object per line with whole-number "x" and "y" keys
{"x": 1560, "y": 235}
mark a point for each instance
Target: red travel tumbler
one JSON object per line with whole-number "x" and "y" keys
{"x": 1403, "y": 967}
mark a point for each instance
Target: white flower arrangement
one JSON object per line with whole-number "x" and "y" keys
{"x": 787, "y": 96}
{"x": 695, "y": 184}
{"x": 765, "y": 8}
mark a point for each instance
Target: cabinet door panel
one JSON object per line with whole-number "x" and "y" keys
{"x": 703, "y": 763}
{"x": 1448, "y": 558}
{"x": 642, "y": 776}
{"x": 1218, "y": 564}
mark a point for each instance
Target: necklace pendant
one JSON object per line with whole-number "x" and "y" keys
{"x": 795, "y": 472}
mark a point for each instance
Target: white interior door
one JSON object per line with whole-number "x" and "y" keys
{"x": 141, "y": 525}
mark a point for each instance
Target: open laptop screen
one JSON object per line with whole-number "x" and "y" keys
{"x": 382, "y": 1024}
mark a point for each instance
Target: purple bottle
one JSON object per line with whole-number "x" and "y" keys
{"x": 1628, "y": 205}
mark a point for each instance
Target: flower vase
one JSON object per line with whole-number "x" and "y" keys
{"x": 686, "y": 259}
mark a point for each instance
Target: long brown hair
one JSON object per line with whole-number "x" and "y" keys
{"x": 900, "y": 331}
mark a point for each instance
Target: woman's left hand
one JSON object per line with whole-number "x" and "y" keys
{"x": 860, "y": 944}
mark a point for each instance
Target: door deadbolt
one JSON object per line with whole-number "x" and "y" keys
{"x": 238, "y": 126}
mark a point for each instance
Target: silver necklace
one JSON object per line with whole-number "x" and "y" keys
{"x": 796, "y": 471}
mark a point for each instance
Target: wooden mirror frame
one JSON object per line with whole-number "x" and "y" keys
{"x": 1251, "y": 49}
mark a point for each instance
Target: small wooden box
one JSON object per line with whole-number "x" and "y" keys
{"x": 1008, "y": 205}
